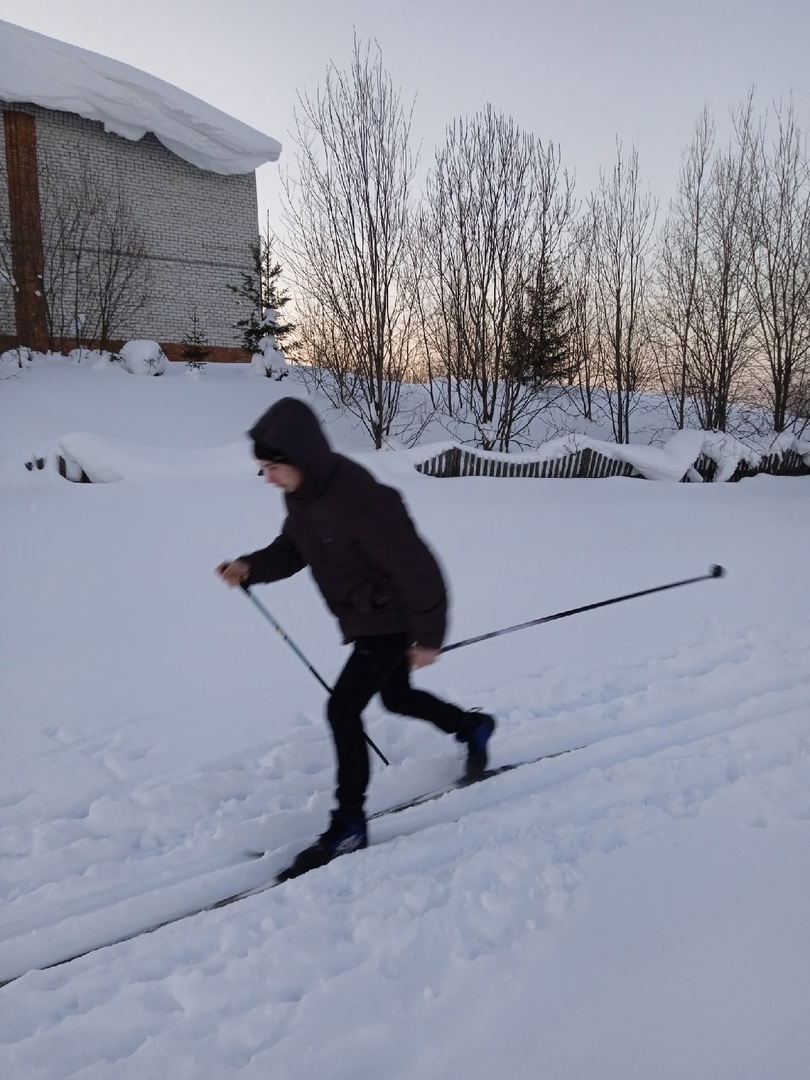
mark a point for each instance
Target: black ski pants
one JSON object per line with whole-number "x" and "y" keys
{"x": 378, "y": 665}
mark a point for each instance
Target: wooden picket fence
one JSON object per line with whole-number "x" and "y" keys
{"x": 788, "y": 463}
{"x": 456, "y": 461}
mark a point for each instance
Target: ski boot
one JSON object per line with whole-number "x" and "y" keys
{"x": 345, "y": 834}
{"x": 476, "y": 736}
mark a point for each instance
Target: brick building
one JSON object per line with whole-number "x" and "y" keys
{"x": 125, "y": 203}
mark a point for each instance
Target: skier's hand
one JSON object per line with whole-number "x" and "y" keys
{"x": 419, "y": 656}
{"x": 233, "y": 573}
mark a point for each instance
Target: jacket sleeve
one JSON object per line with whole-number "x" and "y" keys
{"x": 387, "y": 535}
{"x": 278, "y": 560}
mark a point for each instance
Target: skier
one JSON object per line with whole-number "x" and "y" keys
{"x": 382, "y": 583}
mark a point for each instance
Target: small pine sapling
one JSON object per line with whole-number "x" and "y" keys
{"x": 195, "y": 351}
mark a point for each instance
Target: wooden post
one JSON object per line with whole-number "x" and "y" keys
{"x": 25, "y": 221}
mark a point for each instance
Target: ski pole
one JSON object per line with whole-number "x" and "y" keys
{"x": 286, "y": 637}
{"x": 714, "y": 572}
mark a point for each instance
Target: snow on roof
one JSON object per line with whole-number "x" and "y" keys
{"x": 55, "y": 75}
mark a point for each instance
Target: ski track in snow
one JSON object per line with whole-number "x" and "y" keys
{"x": 635, "y": 910}
{"x": 442, "y": 887}
{"x": 669, "y": 702}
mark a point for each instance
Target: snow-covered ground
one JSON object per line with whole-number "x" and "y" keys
{"x": 636, "y": 909}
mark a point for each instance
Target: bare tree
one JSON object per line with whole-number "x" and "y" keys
{"x": 496, "y": 203}
{"x": 725, "y": 318}
{"x": 331, "y": 370}
{"x": 678, "y": 270}
{"x": 779, "y": 227}
{"x": 582, "y": 335}
{"x": 120, "y": 267}
{"x": 349, "y": 221}
{"x": 623, "y": 219}
{"x": 331, "y": 361}
{"x": 798, "y": 405}
{"x": 97, "y": 272}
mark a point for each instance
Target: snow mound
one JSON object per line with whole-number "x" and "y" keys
{"x": 56, "y": 75}
{"x": 270, "y": 360}
{"x": 727, "y": 452}
{"x": 786, "y": 441}
{"x": 105, "y": 461}
{"x": 143, "y": 358}
{"x": 13, "y": 361}
{"x": 669, "y": 462}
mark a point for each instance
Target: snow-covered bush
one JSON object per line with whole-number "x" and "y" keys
{"x": 143, "y": 358}
{"x": 14, "y": 361}
{"x": 270, "y": 359}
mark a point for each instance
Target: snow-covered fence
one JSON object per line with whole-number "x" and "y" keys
{"x": 724, "y": 458}
{"x": 692, "y": 456}
{"x": 71, "y": 469}
{"x": 457, "y": 461}
{"x": 787, "y": 463}
{"x": 695, "y": 456}
{"x": 96, "y": 459}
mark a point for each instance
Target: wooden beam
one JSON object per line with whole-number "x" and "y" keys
{"x": 25, "y": 222}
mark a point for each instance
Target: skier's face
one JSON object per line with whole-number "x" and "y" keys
{"x": 283, "y": 476}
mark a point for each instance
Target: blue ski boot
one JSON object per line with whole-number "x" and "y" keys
{"x": 476, "y": 736}
{"x": 345, "y": 834}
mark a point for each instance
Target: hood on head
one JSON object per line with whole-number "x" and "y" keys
{"x": 292, "y": 430}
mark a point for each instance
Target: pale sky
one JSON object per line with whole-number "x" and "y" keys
{"x": 581, "y": 73}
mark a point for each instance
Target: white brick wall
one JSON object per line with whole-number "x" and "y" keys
{"x": 199, "y": 226}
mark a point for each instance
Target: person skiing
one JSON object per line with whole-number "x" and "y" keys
{"x": 383, "y": 584}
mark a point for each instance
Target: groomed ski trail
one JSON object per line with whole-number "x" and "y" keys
{"x": 680, "y": 725}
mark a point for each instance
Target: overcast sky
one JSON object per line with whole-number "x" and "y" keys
{"x": 581, "y": 73}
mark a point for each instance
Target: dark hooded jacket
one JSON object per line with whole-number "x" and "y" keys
{"x": 374, "y": 571}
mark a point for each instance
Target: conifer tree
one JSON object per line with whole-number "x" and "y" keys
{"x": 260, "y": 291}
{"x": 195, "y": 351}
{"x": 539, "y": 339}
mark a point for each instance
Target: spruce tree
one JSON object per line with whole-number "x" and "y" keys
{"x": 195, "y": 352}
{"x": 260, "y": 290}
{"x": 539, "y": 344}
